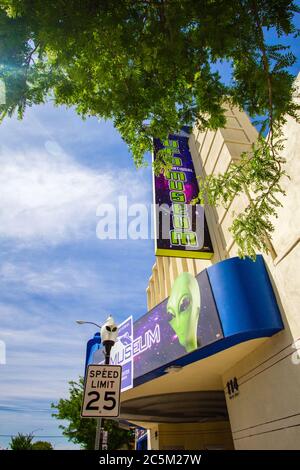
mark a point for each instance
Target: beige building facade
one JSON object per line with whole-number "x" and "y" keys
{"x": 265, "y": 414}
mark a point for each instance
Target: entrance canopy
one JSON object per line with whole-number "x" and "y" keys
{"x": 184, "y": 407}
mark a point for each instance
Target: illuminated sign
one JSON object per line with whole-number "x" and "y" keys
{"x": 185, "y": 321}
{"x": 181, "y": 228}
{"x": 228, "y": 303}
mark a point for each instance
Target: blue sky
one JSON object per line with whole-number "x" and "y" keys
{"x": 55, "y": 171}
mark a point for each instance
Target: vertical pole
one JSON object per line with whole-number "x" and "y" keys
{"x": 98, "y": 433}
{"x": 107, "y": 358}
{"x": 98, "y": 437}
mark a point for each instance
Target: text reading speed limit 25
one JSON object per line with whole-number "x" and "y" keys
{"x": 102, "y": 391}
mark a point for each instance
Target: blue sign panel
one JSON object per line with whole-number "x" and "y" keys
{"x": 93, "y": 345}
{"x": 244, "y": 297}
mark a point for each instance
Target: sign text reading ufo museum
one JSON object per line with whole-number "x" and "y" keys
{"x": 181, "y": 228}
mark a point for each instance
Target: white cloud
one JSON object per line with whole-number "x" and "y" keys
{"x": 55, "y": 279}
{"x": 42, "y": 356}
{"x": 48, "y": 122}
{"x": 50, "y": 198}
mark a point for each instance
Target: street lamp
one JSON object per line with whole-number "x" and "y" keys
{"x": 108, "y": 335}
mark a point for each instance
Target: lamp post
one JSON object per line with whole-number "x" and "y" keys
{"x": 108, "y": 335}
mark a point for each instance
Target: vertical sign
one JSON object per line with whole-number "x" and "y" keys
{"x": 121, "y": 353}
{"x": 181, "y": 228}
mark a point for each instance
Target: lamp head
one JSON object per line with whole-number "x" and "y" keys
{"x": 109, "y": 332}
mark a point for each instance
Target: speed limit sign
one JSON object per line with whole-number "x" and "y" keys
{"x": 102, "y": 392}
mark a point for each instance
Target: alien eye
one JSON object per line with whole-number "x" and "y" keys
{"x": 108, "y": 328}
{"x": 170, "y": 315}
{"x": 114, "y": 329}
{"x": 184, "y": 304}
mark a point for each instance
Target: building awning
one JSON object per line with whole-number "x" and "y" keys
{"x": 193, "y": 393}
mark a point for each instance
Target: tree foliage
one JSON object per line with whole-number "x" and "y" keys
{"x": 82, "y": 430}
{"x": 24, "y": 442}
{"x": 42, "y": 445}
{"x": 261, "y": 171}
{"x": 151, "y": 66}
{"x": 21, "y": 442}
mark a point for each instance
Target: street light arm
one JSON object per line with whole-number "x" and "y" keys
{"x": 82, "y": 322}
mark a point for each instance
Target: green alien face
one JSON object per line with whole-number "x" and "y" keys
{"x": 184, "y": 307}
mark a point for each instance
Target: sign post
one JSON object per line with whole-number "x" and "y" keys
{"x": 102, "y": 392}
{"x": 104, "y": 439}
{"x": 109, "y": 334}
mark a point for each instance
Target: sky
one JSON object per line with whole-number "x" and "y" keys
{"x": 55, "y": 171}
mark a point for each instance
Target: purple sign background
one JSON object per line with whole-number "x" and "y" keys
{"x": 151, "y": 342}
{"x": 121, "y": 353}
{"x": 155, "y": 342}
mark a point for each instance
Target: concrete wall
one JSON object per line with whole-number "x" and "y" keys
{"x": 266, "y": 413}
{"x": 194, "y": 436}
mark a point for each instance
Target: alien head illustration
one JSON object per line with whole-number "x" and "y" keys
{"x": 184, "y": 307}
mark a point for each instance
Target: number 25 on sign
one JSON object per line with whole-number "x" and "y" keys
{"x": 102, "y": 391}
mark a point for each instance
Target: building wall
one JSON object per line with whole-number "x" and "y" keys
{"x": 195, "y": 436}
{"x": 265, "y": 414}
